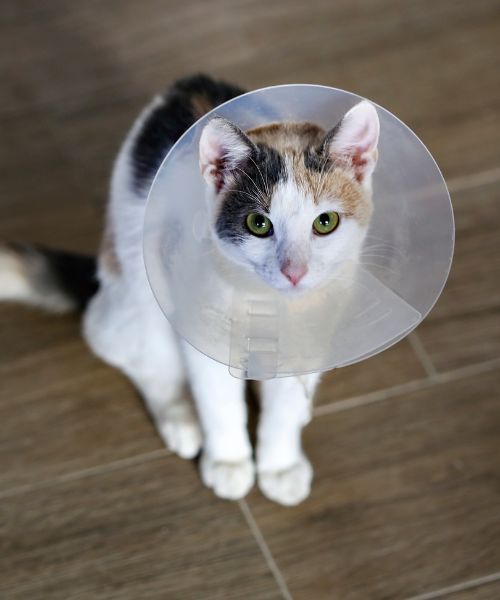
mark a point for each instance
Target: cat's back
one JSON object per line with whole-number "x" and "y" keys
{"x": 154, "y": 132}
{"x": 168, "y": 117}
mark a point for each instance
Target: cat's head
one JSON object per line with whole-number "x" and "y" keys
{"x": 291, "y": 202}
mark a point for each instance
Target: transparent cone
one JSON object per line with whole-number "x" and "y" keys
{"x": 235, "y": 318}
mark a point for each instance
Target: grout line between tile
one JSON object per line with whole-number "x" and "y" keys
{"x": 406, "y": 388}
{"x": 61, "y": 382}
{"x": 90, "y": 472}
{"x": 459, "y": 184}
{"x": 459, "y": 587}
{"x": 422, "y": 354}
{"x": 261, "y": 542}
{"x": 334, "y": 407}
{"x": 372, "y": 397}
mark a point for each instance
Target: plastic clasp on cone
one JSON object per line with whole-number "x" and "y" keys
{"x": 235, "y": 318}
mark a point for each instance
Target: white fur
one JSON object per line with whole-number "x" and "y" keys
{"x": 292, "y": 214}
{"x": 26, "y": 279}
{"x": 15, "y": 285}
{"x": 124, "y": 325}
{"x": 226, "y": 465}
{"x": 293, "y": 210}
{"x": 126, "y": 328}
{"x": 285, "y": 474}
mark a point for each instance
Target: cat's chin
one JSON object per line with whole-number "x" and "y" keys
{"x": 293, "y": 291}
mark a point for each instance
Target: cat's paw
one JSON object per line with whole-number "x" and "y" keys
{"x": 290, "y": 486}
{"x": 229, "y": 480}
{"x": 181, "y": 436}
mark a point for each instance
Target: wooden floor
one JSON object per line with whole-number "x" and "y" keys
{"x": 406, "y": 446}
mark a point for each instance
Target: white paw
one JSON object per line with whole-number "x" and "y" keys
{"x": 230, "y": 480}
{"x": 181, "y": 436}
{"x": 290, "y": 486}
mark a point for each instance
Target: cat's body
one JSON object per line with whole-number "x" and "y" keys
{"x": 291, "y": 183}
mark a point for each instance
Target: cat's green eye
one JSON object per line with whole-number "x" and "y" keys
{"x": 259, "y": 225}
{"x": 326, "y": 222}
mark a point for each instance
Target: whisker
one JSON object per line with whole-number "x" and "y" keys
{"x": 264, "y": 181}
{"x": 377, "y": 254}
{"x": 260, "y": 200}
{"x": 389, "y": 247}
{"x": 370, "y": 236}
{"x": 370, "y": 264}
{"x": 320, "y": 188}
{"x": 248, "y": 177}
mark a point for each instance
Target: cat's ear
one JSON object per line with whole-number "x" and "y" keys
{"x": 223, "y": 149}
{"x": 354, "y": 140}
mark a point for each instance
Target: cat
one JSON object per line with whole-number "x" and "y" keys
{"x": 290, "y": 201}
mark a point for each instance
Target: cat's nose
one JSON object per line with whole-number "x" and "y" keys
{"x": 293, "y": 273}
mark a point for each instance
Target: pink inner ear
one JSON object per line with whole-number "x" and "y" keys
{"x": 366, "y": 139}
{"x": 360, "y": 164}
{"x": 222, "y": 148}
{"x": 210, "y": 150}
{"x": 218, "y": 174}
{"x": 357, "y": 138}
{"x": 213, "y": 165}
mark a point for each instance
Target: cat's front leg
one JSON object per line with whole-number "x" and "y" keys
{"x": 226, "y": 464}
{"x": 284, "y": 472}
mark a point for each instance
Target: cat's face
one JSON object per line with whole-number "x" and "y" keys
{"x": 291, "y": 202}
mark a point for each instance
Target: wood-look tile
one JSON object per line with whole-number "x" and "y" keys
{"x": 46, "y": 368}
{"x": 147, "y": 531}
{"x": 408, "y": 501}
{"x": 27, "y": 333}
{"x": 464, "y": 327}
{"x": 380, "y": 50}
{"x": 405, "y": 498}
{"x": 395, "y": 366}
{"x": 61, "y": 408}
{"x": 92, "y": 137}
{"x": 77, "y": 415}
{"x": 41, "y": 199}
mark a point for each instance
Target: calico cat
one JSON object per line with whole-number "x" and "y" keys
{"x": 290, "y": 201}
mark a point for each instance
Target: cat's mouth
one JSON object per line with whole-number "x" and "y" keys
{"x": 288, "y": 288}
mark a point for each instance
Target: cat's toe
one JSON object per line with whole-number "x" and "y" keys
{"x": 290, "y": 486}
{"x": 182, "y": 437}
{"x": 229, "y": 480}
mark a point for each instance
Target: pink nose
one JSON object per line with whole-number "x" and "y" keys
{"x": 293, "y": 273}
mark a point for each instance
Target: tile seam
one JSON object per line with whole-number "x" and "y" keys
{"x": 264, "y": 548}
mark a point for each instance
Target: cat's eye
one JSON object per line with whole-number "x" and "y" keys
{"x": 259, "y": 225}
{"x": 326, "y": 223}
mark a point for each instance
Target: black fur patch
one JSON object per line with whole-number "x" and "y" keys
{"x": 251, "y": 192}
{"x": 170, "y": 120}
{"x": 75, "y": 273}
{"x": 315, "y": 160}
{"x": 318, "y": 159}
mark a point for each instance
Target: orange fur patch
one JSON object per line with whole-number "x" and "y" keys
{"x": 287, "y": 137}
{"x": 337, "y": 181}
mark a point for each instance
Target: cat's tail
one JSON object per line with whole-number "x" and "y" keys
{"x": 50, "y": 279}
